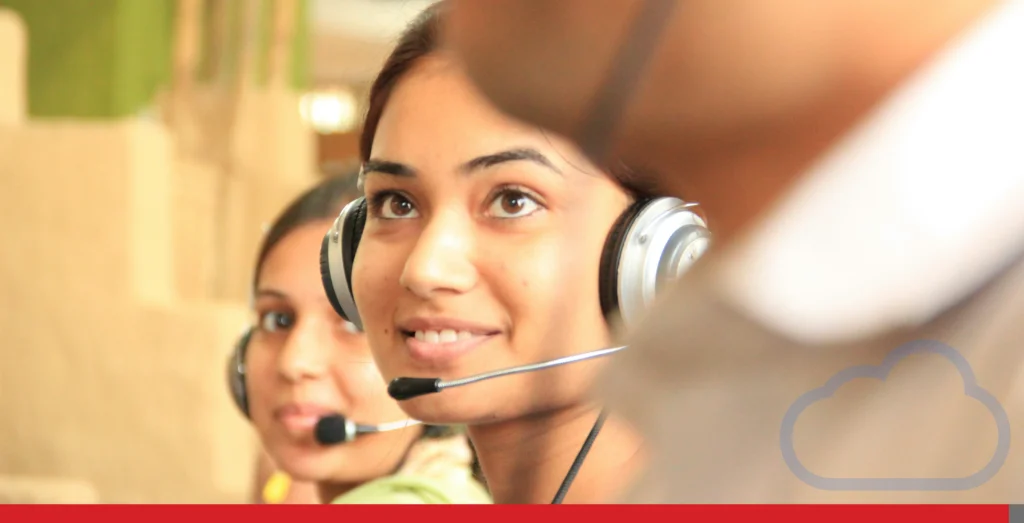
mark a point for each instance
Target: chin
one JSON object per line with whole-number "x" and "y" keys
{"x": 308, "y": 469}
{"x": 475, "y": 404}
{"x": 324, "y": 468}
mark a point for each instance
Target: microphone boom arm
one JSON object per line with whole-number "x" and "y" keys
{"x": 527, "y": 368}
{"x": 406, "y": 388}
{"x": 386, "y": 427}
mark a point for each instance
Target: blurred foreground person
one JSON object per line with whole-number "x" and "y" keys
{"x": 855, "y": 334}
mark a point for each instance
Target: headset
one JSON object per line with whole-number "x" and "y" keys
{"x": 653, "y": 242}
{"x": 236, "y": 372}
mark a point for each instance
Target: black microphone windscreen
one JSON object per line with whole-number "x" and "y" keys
{"x": 330, "y": 430}
{"x": 405, "y": 388}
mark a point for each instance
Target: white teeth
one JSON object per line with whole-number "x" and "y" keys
{"x": 444, "y": 336}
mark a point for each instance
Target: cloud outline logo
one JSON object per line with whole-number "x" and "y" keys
{"x": 881, "y": 372}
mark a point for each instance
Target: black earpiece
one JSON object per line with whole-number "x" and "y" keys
{"x": 654, "y": 241}
{"x": 236, "y": 372}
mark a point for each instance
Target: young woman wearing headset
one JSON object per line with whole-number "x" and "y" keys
{"x": 484, "y": 244}
{"x": 300, "y": 363}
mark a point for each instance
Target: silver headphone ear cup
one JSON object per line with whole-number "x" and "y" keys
{"x": 337, "y": 252}
{"x": 684, "y": 247}
{"x": 236, "y": 373}
{"x": 664, "y": 238}
{"x": 325, "y": 270}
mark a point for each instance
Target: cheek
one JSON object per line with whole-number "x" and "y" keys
{"x": 375, "y": 285}
{"x": 557, "y": 277}
{"x": 362, "y": 379}
{"x": 376, "y": 289}
{"x": 366, "y": 388}
{"x": 259, "y": 385}
{"x": 556, "y": 302}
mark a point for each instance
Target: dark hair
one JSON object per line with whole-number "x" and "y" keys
{"x": 420, "y": 39}
{"x": 321, "y": 202}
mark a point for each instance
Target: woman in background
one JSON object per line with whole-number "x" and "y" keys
{"x": 301, "y": 362}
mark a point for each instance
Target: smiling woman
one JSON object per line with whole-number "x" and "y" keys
{"x": 483, "y": 244}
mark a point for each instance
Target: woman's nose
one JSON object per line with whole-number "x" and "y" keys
{"x": 306, "y": 351}
{"x": 441, "y": 261}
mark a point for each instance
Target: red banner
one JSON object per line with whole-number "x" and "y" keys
{"x": 511, "y": 513}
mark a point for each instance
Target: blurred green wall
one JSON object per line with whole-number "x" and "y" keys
{"x": 109, "y": 58}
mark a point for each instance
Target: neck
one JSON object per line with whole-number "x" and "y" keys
{"x": 525, "y": 460}
{"x": 327, "y": 491}
{"x": 882, "y": 44}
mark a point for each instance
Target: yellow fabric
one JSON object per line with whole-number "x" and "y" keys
{"x": 276, "y": 489}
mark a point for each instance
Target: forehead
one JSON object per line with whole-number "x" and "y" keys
{"x": 436, "y": 116}
{"x": 292, "y": 265}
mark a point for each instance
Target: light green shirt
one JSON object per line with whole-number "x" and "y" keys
{"x": 408, "y": 489}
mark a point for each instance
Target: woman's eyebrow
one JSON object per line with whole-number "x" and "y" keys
{"x": 271, "y": 293}
{"x": 528, "y": 154}
{"x": 387, "y": 167}
{"x": 479, "y": 163}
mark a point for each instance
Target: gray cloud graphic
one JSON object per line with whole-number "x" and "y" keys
{"x": 881, "y": 372}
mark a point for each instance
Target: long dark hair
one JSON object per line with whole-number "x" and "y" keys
{"x": 420, "y": 39}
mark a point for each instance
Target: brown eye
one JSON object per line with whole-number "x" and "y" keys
{"x": 513, "y": 204}
{"x": 397, "y": 207}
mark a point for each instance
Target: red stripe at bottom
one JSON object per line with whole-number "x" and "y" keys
{"x": 516, "y": 513}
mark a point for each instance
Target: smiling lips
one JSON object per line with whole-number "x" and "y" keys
{"x": 300, "y": 417}
{"x": 445, "y": 336}
{"x": 440, "y": 340}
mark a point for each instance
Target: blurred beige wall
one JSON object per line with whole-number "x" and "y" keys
{"x": 12, "y": 68}
{"x": 123, "y": 285}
